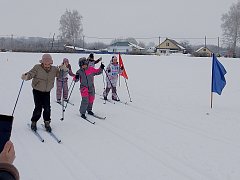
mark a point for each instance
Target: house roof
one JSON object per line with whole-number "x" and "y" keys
{"x": 120, "y": 43}
{"x": 174, "y": 42}
{"x": 126, "y": 43}
{"x": 201, "y": 48}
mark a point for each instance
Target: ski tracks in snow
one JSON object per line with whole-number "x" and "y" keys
{"x": 197, "y": 131}
{"x": 166, "y": 159}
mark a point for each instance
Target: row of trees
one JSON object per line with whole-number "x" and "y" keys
{"x": 38, "y": 44}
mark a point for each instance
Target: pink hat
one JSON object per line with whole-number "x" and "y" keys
{"x": 65, "y": 60}
{"x": 46, "y": 58}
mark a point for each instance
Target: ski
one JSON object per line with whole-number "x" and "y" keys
{"x": 52, "y": 134}
{"x": 112, "y": 101}
{"x": 123, "y": 102}
{"x": 98, "y": 117}
{"x": 92, "y": 122}
{"x": 60, "y": 103}
{"x": 70, "y": 103}
{"x": 36, "y": 133}
{"x": 105, "y": 101}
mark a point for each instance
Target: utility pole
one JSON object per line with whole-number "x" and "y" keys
{"x": 205, "y": 41}
{"x": 52, "y": 41}
{"x": 218, "y": 47}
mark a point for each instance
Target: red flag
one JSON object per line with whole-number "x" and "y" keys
{"x": 124, "y": 73}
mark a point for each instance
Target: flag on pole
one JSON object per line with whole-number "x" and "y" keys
{"x": 218, "y": 79}
{"x": 124, "y": 73}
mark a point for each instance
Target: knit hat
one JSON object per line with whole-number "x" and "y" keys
{"x": 82, "y": 61}
{"x": 91, "y": 55}
{"x": 65, "y": 60}
{"x": 46, "y": 59}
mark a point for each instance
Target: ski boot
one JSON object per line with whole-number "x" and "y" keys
{"x": 90, "y": 113}
{"x": 83, "y": 116}
{"x": 115, "y": 99}
{"x": 47, "y": 126}
{"x": 34, "y": 125}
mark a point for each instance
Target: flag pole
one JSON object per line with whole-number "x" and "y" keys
{"x": 119, "y": 66}
{"x": 128, "y": 91}
{"x": 211, "y": 99}
{"x": 119, "y": 81}
{"x": 212, "y": 84}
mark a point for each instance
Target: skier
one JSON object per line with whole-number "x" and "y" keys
{"x": 91, "y": 61}
{"x": 43, "y": 76}
{"x": 62, "y": 81}
{"x": 112, "y": 72}
{"x": 87, "y": 89}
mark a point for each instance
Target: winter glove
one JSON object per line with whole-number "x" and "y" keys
{"x": 24, "y": 77}
{"x": 99, "y": 59}
{"x": 102, "y": 66}
{"x": 109, "y": 71}
{"x": 76, "y": 78}
{"x": 122, "y": 68}
{"x": 63, "y": 67}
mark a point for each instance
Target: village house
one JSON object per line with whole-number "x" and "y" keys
{"x": 203, "y": 52}
{"x": 170, "y": 46}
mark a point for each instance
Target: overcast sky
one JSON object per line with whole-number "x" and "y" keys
{"x": 116, "y": 19}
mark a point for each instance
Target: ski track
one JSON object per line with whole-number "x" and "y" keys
{"x": 169, "y": 161}
{"x": 194, "y": 130}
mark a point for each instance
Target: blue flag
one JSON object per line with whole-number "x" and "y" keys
{"x": 218, "y": 79}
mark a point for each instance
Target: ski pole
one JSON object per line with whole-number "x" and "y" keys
{"x": 62, "y": 96}
{"x": 110, "y": 82}
{"x": 69, "y": 96}
{"x": 70, "y": 85}
{"x": 103, "y": 81}
{"x": 128, "y": 91}
{"x": 17, "y": 97}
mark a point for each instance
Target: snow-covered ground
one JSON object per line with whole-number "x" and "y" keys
{"x": 167, "y": 132}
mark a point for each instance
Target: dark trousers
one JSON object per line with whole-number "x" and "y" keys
{"x": 41, "y": 101}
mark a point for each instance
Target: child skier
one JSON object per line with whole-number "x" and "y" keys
{"x": 87, "y": 90}
{"x": 112, "y": 72}
{"x": 91, "y": 61}
{"x": 62, "y": 81}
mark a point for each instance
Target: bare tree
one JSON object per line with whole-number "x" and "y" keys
{"x": 71, "y": 27}
{"x": 231, "y": 27}
{"x": 142, "y": 44}
{"x": 186, "y": 44}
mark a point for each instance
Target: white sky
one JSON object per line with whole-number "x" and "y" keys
{"x": 125, "y": 18}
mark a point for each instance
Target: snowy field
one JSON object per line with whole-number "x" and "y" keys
{"x": 167, "y": 132}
